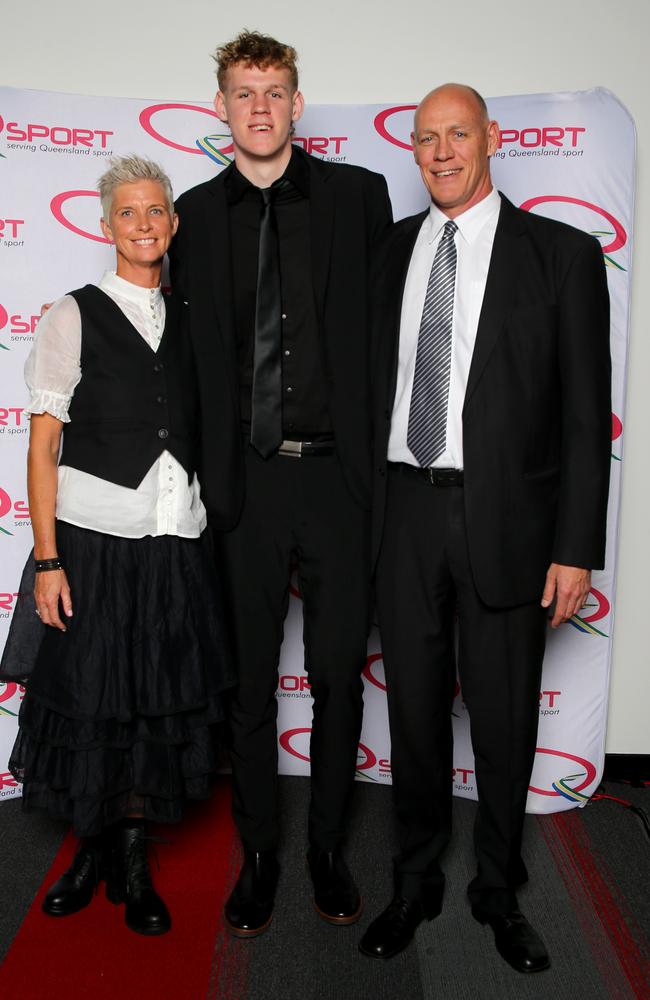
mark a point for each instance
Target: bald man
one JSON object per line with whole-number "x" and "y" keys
{"x": 492, "y": 410}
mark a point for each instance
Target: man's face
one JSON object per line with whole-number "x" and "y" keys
{"x": 260, "y": 107}
{"x": 451, "y": 143}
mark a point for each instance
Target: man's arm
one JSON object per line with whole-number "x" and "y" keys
{"x": 380, "y": 208}
{"x": 585, "y": 381}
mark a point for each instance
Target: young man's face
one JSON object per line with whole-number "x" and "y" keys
{"x": 260, "y": 107}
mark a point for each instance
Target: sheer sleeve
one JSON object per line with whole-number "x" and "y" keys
{"x": 53, "y": 369}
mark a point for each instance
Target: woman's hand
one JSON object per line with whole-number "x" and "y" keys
{"x": 51, "y": 587}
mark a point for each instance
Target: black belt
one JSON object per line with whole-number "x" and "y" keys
{"x": 437, "y": 477}
{"x": 304, "y": 449}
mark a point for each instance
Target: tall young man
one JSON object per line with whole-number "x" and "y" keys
{"x": 272, "y": 259}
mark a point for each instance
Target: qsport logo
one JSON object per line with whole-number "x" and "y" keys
{"x": 19, "y": 327}
{"x": 396, "y": 124}
{"x": 78, "y": 211}
{"x": 177, "y": 125}
{"x": 19, "y": 508}
{"x": 597, "y": 608}
{"x": 57, "y": 137}
{"x": 171, "y": 125}
{"x": 374, "y": 671}
{"x": 571, "y": 786}
{"x": 617, "y": 430}
{"x": 585, "y": 215}
{"x": 9, "y": 691}
{"x": 296, "y": 743}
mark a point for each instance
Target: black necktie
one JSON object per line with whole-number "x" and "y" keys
{"x": 266, "y": 401}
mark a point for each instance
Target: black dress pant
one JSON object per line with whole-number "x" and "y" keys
{"x": 297, "y": 510}
{"x": 424, "y": 577}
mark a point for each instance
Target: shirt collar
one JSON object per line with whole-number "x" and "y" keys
{"x": 297, "y": 172}
{"x": 143, "y": 297}
{"x": 470, "y": 223}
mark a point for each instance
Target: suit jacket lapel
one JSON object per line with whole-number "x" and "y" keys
{"x": 219, "y": 270}
{"x": 499, "y": 292}
{"x": 321, "y": 199}
{"x": 399, "y": 260}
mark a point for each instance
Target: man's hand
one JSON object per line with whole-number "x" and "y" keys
{"x": 569, "y": 586}
{"x": 52, "y": 587}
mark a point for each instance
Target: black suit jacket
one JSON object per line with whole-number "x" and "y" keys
{"x": 350, "y": 209}
{"x": 537, "y": 411}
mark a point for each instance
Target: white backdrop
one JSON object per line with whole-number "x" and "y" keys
{"x": 554, "y": 158}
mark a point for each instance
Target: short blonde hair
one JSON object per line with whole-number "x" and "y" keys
{"x": 255, "y": 49}
{"x": 127, "y": 170}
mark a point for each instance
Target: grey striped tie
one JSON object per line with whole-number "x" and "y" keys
{"x": 427, "y": 428}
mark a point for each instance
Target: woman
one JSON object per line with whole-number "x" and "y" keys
{"x": 126, "y": 672}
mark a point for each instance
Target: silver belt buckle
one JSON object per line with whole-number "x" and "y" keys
{"x": 293, "y": 448}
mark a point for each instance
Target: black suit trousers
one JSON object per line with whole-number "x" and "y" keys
{"x": 297, "y": 510}
{"x": 424, "y": 578}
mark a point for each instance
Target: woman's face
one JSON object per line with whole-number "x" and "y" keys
{"x": 141, "y": 228}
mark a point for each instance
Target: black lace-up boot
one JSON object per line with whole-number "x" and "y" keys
{"x": 129, "y": 881}
{"x": 78, "y": 884}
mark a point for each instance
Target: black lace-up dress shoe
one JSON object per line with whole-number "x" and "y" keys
{"x": 129, "y": 882}
{"x": 336, "y": 897}
{"x": 393, "y": 929}
{"x": 516, "y": 941}
{"x": 249, "y": 909}
{"x": 78, "y": 884}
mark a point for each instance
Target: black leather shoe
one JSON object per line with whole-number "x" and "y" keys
{"x": 393, "y": 929}
{"x": 516, "y": 940}
{"x": 78, "y": 884}
{"x": 129, "y": 882}
{"x": 249, "y": 909}
{"x": 336, "y": 896}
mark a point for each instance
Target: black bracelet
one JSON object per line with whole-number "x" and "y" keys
{"x": 43, "y": 565}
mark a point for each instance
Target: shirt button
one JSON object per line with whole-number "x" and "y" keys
{"x": 289, "y": 388}
{"x": 161, "y": 399}
{"x": 284, "y": 315}
{"x": 287, "y": 354}
{"x": 163, "y": 433}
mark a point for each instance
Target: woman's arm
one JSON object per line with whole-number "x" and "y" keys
{"x": 51, "y": 585}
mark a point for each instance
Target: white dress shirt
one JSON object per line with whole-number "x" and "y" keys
{"x": 474, "y": 240}
{"x": 164, "y": 503}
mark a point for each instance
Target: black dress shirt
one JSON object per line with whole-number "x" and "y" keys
{"x": 305, "y": 412}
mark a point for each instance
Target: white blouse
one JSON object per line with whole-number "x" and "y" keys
{"x": 164, "y": 503}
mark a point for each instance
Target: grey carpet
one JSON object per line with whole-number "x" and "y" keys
{"x": 29, "y": 845}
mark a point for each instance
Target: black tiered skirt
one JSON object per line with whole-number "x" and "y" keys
{"x": 121, "y": 712}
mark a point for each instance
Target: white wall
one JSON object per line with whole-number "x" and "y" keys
{"x": 395, "y": 51}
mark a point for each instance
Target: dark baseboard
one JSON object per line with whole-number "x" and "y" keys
{"x": 633, "y": 767}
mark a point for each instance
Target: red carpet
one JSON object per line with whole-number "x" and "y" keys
{"x": 593, "y": 891}
{"x": 92, "y": 955}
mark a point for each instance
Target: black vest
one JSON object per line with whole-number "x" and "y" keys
{"x": 132, "y": 403}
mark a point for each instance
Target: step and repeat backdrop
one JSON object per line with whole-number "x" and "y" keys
{"x": 570, "y": 156}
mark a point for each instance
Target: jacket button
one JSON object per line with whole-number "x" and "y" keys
{"x": 158, "y": 367}
{"x": 163, "y": 433}
{"x": 161, "y": 399}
